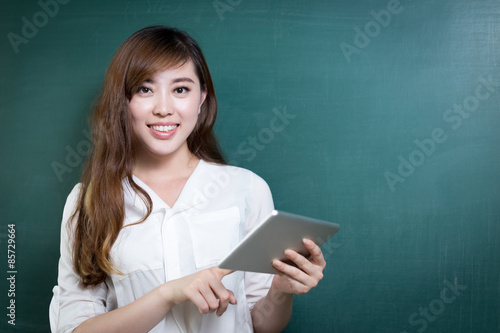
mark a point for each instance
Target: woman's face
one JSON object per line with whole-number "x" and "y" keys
{"x": 165, "y": 110}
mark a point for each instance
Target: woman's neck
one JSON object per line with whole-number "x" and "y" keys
{"x": 179, "y": 164}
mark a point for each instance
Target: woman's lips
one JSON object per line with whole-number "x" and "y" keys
{"x": 163, "y": 131}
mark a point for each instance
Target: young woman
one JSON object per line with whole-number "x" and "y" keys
{"x": 157, "y": 208}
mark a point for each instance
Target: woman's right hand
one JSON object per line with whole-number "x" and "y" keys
{"x": 203, "y": 288}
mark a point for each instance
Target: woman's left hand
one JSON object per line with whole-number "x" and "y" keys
{"x": 304, "y": 277}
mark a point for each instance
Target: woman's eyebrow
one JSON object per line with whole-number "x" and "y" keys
{"x": 182, "y": 79}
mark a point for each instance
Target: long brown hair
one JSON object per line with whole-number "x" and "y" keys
{"x": 100, "y": 211}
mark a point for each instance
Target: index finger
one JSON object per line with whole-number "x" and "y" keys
{"x": 223, "y": 272}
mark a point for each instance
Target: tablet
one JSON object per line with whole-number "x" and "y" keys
{"x": 268, "y": 241}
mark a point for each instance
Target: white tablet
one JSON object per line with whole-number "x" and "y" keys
{"x": 269, "y": 240}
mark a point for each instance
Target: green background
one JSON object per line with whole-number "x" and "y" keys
{"x": 355, "y": 118}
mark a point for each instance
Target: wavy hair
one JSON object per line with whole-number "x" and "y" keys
{"x": 100, "y": 211}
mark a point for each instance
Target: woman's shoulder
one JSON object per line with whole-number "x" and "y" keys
{"x": 73, "y": 196}
{"x": 70, "y": 207}
{"x": 72, "y": 199}
{"x": 76, "y": 189}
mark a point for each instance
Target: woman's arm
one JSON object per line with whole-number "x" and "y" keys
{"x": 272, "y": 313}
{"x": 203, "y": 288}
{"x": 139, "y": 316}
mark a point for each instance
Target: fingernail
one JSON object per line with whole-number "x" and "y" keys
{"x": 306, "y": 241}
{"x": 288, "y": 253}
{"x": 277, "y": 263}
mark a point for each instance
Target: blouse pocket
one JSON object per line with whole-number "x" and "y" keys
{"x": 213, "y": 235}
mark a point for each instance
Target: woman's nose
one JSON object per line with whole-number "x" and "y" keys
{"x": 163, "y": 105}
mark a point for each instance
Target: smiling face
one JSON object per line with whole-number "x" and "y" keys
{"x": 165, "y": 110}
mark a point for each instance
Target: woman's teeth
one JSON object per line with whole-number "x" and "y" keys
{"x": 167, "y": 128}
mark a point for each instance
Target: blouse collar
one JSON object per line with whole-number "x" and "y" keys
{"x": 188, "y": 198}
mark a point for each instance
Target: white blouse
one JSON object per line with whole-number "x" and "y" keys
{"x": 216, "y": 208}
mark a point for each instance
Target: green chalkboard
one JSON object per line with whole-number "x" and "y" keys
{"x": 382, "y": 116}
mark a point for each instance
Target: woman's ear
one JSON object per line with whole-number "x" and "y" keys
{"x": 202, "y": 99}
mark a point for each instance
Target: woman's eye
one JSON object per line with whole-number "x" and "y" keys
{"x": 144, "y": 90}
{"x": 181, "y": 90}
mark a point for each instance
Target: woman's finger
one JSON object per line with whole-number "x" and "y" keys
{"x": 224, "y": 303}
{"x": 198, "y": 300}
{"x": 304, "y": 264}
{"x": 295, "y": 273}
{"x": 207, "y": 292}
{"x": 209, "y": 296}
{"x": 315, "y": 251}
{"x": 221, "y": 296}
{"x": 224, "y": 295}
{"x": 290, "y": 285}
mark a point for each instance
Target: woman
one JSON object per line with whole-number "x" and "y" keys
{"x": 157, "y": 208}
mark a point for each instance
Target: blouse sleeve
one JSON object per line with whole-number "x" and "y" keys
{"x": 73, "y": 303}
{"x": 257, "y": 284}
